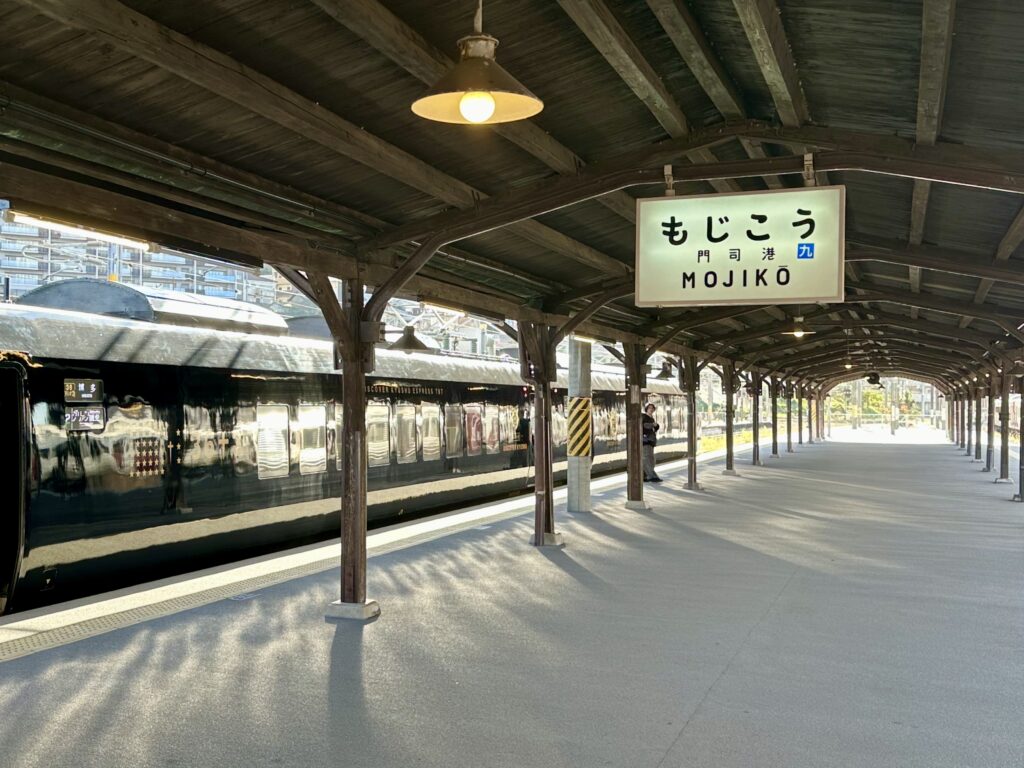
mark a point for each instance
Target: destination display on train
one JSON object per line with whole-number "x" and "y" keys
{"x": 84, "y": 418}
{"x": 774, "y": 247}
{"x": 83, "y": 391}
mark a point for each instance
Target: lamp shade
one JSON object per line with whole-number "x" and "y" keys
{"x": 799, "y": 329}
{"x": 408, "y": 342}
{"x": 477, "y": 90}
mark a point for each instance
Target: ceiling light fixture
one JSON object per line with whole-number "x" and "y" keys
{"x": 25, "y": 219}
{"x": 799, "y": 329}
{"x": 408, "y": 342}
{"x": 477, "y": 90}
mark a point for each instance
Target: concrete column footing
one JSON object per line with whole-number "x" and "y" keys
{"x": 550, "y": 540}
{"x": 977, "y": 461}
{"x": 1004, "y": 480}
{"x": 731, "y": 472}
{"x": 695, "y": 487}
{"x": 352, "y": 611}
{"x": 638, "y": 506}
{"x": 774, "y": 456}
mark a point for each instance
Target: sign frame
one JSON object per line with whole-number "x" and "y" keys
{"x": 839, "y": 297}
{"x": 96, "y": 396}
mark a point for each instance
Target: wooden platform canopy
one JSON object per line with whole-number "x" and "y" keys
{"x": 279, "y": 132}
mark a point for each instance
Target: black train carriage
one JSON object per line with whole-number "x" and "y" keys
{"x": 135, "y": 449}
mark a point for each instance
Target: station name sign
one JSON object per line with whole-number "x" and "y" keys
{"x": 775, "y": 247}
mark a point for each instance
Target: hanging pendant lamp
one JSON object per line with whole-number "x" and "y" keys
{"x": 477, "y": 90}
{"x": 408, "y": 342}
{"x": 799, "y": 329}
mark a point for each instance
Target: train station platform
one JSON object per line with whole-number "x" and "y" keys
{"x": 856, "y": 603}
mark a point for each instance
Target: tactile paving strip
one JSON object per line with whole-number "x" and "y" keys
{"x": 51, "y": 638}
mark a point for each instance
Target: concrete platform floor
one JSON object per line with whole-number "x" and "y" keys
{"x": 856, "y": 603}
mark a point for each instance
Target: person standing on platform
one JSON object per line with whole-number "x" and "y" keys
{"x": 650, "y": 439}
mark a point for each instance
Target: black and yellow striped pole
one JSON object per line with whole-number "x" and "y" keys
{"x": 581, "y": 439}
{"x": 580, "y": 433}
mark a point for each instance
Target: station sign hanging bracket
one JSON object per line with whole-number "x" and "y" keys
{"x": 809, "y": 179}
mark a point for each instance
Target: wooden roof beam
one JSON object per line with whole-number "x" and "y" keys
{"x": 130, "y": 31}
{"x": 686, "y": 35}
{"x": 762, "y": 22}
{"x": 932, "y": 302}
{"x": 844, "y": 150}
{"x": 936, "y": 44}
{"x": 889, "y": 320}
{"x": 695, "y": 318}
{"x": 731, "y": 339}
{"x": 407, "y": 48}
{"x": 598, "y": 22}
{"x": 865, "y": 248}
{"x": 1014, "y": 237}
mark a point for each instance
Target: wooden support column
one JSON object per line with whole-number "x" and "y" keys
{"x": 958, "y": 437}
{"x": 537, "y": 365}
{"x": 977, "y": 425}
{"x": 789, "y": 418}
{"x": 1004, "y": 430}
{"x": 691, "y": 382}
{"x": 970, "y": 423}
{"x": 810, "y": 417}
{"x": 354, "y": 356}
{"x": 1019, "y": 496}
{"x": 354, "y": 460}
{"x": 729, "y": 382}
{"x": 991, "y": 431}
{"x": 755, "y": 383}
{"x": 774, "y": 389}
{"x": 800, "y": 414}
{"x": 636, "y": 379}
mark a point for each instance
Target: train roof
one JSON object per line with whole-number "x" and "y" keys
{"x": 103, "y": 297}
{"x": 60, "y": 334}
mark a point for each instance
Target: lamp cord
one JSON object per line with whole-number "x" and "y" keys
{"x": 478, "y": 20}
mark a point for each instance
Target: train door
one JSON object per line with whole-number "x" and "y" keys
{"x": 14, "y": 455}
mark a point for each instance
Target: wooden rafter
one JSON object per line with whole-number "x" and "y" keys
{"x": 218, "y": 73}
{"x": 597, "y": 21}
{"x": 410, "y": 50}
{"x": 686, "y": 35}
{"x": 938, "y": 259}
{"x": 762, "y": 23}
{"x": 936, "y": 44}
{"x": 1014, "y": 237}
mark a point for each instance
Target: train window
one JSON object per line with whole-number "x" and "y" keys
{"x": 272, "y": 458}
{"x": 430, "y": 432}
{"x": 492, "y": 428}
{"x": 405, "y": 433}
{"x": 312, "y": 439}
{"x": 474, "y": 428}
{"x": 454, "y": 443}
{"x": 378, "y": 435}
{"x": 332, "y": 432}
{"x": 338, "y": 416}
{"x": 558, "y": 427}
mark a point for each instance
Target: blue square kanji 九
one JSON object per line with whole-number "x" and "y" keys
{"x": 805, "y": 250}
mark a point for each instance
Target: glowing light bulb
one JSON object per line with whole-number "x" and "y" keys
{"x": 849, "y": 366}
{"x": 477, "y": 106}
{"x": 798, "y": 333}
